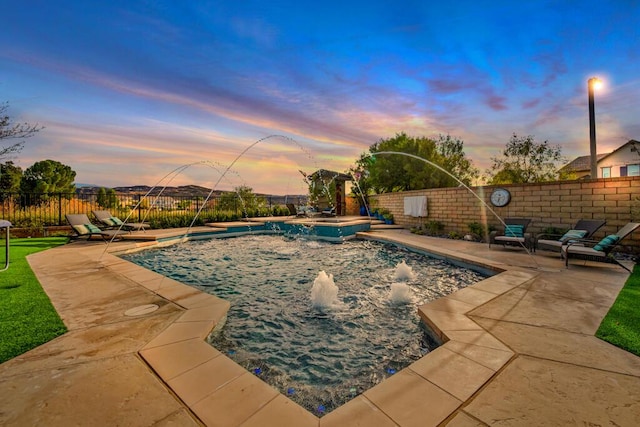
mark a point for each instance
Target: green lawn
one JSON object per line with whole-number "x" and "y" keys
{"x": 27, "y": 318}
{"x": 621, "y": 325}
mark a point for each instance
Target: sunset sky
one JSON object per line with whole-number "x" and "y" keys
{"x": 131, "y": 90}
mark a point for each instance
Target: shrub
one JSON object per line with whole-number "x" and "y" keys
{"x": 434, "y": 228}
{"x": 454, "y": 235}
{"x": 417, "y": 230}
{"x": 477, "y": 228}
{"x": 554, "y": 231}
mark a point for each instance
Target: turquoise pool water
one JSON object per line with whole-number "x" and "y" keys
{"x": 319, "y": 354}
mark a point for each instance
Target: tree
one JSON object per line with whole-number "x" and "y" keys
{"x": 46, "y": 177}
{"x": 242, "y": 198}
{"x": 10, "y": 176}
{"x": 396, "y": 172}
{"x": 525, "y": 161}
{"x": 12, "y": 131}
{"x": 107, "y": 198}
{"x": 454, "y": 160}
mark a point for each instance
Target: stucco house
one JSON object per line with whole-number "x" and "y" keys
{"x": 623, "y": 161}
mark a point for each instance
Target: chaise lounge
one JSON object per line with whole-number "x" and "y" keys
{"x": 111, "y": 222}
{"x": 83, "y": 227}
{"x": 600, "y": 251}
{"x": 514, "y": 234}
{"x": 584, "y": 229}
{"x": 330, "y": 211}
{"x": 294, "y": 211}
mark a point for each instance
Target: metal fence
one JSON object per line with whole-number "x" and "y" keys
{"x": 37, "y": 210}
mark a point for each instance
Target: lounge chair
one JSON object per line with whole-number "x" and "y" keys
{"x": 83, "y": 227}
{"x": 330, "y": 211}
{"x": 584, "y": 229}
{"x": 514, "y": 234}
{"x": 294, "y": 211}
{"x": 111, "y": 222}
{"x": 598, "y": 251}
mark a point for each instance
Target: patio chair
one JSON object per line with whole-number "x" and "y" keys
{"x": 584, "y": 229}
{"x": 294, "y": 211}
{"x": 83, "y": 227}
{"x": 514, "y": 234}
{"x": 111, "y": 222}
{"x": 599, "y": 251}
{"x": 330, "y": 211}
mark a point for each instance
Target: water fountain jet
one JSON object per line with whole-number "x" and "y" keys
{"x": 400, "y": 294}
{"x": 403, "y": 272}
{"x": 324, "y": 293}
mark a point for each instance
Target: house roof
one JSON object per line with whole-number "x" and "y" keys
{"x": 331, "y": 175}
{"x": 630, "y": 142}
{"x": 583, "y": 163}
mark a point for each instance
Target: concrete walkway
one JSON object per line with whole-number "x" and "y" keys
{"x": 519, "y": 350}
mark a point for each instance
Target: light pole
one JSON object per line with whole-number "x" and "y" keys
{"x": 593, "y": 83}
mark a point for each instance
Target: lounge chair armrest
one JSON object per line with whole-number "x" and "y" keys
{"x": 582, "y": 242}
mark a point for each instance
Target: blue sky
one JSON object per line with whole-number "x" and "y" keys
{"x": 131, "y": 90}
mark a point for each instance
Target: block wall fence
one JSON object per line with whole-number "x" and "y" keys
{"x": 557, "y": 204}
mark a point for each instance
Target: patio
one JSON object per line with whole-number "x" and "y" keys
{"x": 519, "y": 350}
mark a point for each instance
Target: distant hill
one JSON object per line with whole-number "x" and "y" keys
{"x": 183, "y": 191}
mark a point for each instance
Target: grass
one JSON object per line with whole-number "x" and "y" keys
{"x": 620, "y": 326}
{"x": 27, "y": 317}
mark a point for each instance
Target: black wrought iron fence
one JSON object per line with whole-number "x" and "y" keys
{"x": 49, "y": 209}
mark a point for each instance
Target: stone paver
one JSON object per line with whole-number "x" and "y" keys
{"x": 358, "y": 412}
{"x": 538, "y": 392}
{"x": 101, "y": 392}
{"x": 411, "y": 400}
{"x": 446, "y": 369}
{"x": 518, "y": 348}
{"x": 236, "y": 402}
{"x": 281, "y": 412}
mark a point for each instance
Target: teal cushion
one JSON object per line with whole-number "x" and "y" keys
{"x": 606, "y": 243}
{"x": 108, "y": 221}
{"x": 92, "y": 228}
{"x": 116, "y": 221}
{"x": 514, "y": 230}
{"x": 573, "y": 234}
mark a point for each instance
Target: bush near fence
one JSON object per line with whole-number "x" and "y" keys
{"x": 48, "y": 216}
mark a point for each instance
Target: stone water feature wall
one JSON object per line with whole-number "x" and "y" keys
{"x": 556, "y": 204}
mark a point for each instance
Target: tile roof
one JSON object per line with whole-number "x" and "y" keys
{"x": 582, "y": 163}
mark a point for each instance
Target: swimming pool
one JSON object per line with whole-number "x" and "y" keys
{"x": 319, "y": 351}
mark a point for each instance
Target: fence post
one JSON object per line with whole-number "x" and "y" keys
{"x": 59, "y": 208}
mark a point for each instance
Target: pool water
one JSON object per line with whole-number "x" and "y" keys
{"x": 320, "y": 357}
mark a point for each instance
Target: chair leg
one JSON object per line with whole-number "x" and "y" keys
{"x": 621, "y": 265}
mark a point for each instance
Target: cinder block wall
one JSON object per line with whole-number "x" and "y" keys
{"x": 557, "y": 204}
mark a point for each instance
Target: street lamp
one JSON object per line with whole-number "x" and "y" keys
{"x": 592, "y": 84}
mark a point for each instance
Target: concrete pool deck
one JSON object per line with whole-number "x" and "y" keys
{"x": 520, "y": 350}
